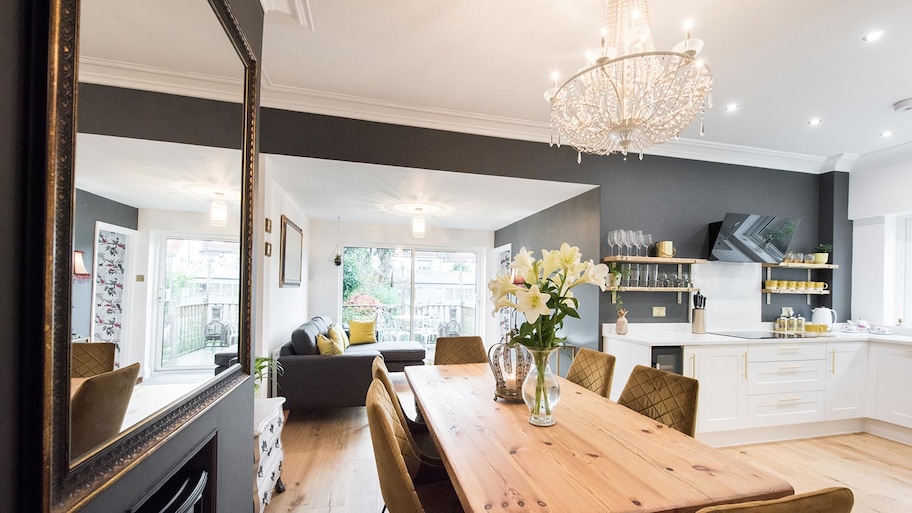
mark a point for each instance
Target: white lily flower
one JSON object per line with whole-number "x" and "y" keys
{"x": 532, "y": 303}
{"x": 599, "y": 276}
{"x": 569, "y": 255}
{"x": 551, "y": 261}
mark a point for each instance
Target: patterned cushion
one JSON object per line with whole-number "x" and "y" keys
{"x": 663, "y": 396}
{"x": 827, "y": 500}
{"x": 593, "y": 370}
{"x": 91, "y": 359}
{"x": 457, "y": 350}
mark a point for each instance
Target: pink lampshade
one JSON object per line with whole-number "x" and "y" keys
{"x": 79, "y": 268}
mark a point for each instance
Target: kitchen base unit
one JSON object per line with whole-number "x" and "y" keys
{"x": 779, "y": 389}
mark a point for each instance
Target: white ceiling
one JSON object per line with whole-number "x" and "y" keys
{"x": 482, "y": 67}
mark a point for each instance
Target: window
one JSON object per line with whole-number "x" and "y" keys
{"x": 413, "y": 294}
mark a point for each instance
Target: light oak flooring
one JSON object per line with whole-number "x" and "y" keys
{"x": 329, "y": 464}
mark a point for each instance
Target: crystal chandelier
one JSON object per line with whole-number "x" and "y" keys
{"x": 629, "y": 97}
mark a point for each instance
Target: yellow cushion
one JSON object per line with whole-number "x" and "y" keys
{"x": 362, "y": 332}
{"x": 337, "y": 334}
{"x": 328, "y": 346}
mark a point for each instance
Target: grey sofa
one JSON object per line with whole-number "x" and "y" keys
{"x": 311, "y": 380}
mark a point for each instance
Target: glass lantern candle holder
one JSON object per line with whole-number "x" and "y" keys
{"x": 510, "y": 363}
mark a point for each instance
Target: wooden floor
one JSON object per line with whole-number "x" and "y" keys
{"x": 329, "y": 464}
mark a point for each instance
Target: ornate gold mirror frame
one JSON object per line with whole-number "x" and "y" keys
{"x": 67, "y": 486}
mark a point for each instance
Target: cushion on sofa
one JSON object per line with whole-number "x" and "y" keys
{"x": 336, "y": 333}
{"x": 323, "y": 323}
{"x": 328, "y": 346}
{"x": 394, "y": 350}
{"x": 304, "y": 339}
{"x": 362, "y": 332}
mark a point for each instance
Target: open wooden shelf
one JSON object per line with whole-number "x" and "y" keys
{"x": 652, "y": 260}
{"x": 815, "y": 292}
{"x": 796, "y": 265}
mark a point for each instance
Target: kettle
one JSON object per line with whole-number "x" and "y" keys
{"x": 824, "y": 315}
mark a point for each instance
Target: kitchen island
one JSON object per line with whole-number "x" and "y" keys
{"x": 754, "y": 390}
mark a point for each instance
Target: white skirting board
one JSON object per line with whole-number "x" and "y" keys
{"x": 810, "y": 430}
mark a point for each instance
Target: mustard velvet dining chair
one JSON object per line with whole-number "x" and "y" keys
{"x": 827, "y": 500}
{"x": 662, "y": 396}
{"x": 98, "y": 407}
{"x": 397, "y": 462}
{"x": 419, "y": 437}
{"x": 593, "y": 370}
{"x": 459, "y": 350}
{"x": 89, "y": 359}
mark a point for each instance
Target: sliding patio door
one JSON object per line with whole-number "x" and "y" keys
{"x": 413, "y": 294}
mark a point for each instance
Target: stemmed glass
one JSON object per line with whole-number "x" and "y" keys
{"x": 629, "y": 240}
{"x": 613, "y": 242}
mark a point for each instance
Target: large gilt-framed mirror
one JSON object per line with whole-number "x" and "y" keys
{"x": 166, "y": 284}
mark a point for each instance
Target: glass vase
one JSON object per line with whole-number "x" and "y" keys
{"x": 540, "y": 389}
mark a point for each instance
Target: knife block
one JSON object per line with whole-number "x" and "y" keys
{"x": 698, "y": 324}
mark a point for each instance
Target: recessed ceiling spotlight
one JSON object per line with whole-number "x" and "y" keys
{"x": 873, "y": 36}
{"x": 731, "y": 107}
{"x": 815, "y": 121}
{"x": 886, "y": 133}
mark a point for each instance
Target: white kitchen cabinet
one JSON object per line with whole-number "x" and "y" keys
{"x": 722, "y": 372}
{"x": 894, "y": 369}
{"x": 846, "y": 379}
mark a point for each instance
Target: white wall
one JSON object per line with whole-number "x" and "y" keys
{"x": 277, "y": 310}
{"x": 142, "y": 316}
{"x": 324, "y": 278}
{"x": 878, "y": 194}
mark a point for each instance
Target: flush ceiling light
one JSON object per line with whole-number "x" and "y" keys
{"x": 628, "y": 97}
{"x": 886, "y": 133}
{"x": 815, "y": 121}
{"x": 418, "y": 225}
{"x": 873, "y": 36}
{"x": 218, "y": 212}
{"x": 731, "y": 107}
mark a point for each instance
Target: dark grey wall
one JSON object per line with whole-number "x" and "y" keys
{"x": 836, "y": 229}
{"x": 576, "y": 222}
{"x": 674, "y": 199}
{"x": 23, "y": 106}
{"x": 91, "y": 208}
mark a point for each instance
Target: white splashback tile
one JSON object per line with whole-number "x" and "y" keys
{"x": 732, "y": 290}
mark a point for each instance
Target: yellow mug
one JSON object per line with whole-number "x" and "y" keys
{"x": 665, "y": 249}
{"x": 819, "y": 285}
{"x": 771, "y": 284}
{"x": 805, "y": 285}
{"x": 783, "y": 284}
{"x": 792, "y": 285}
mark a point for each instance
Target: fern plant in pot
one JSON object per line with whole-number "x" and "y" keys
{"x": 263, "y": 367}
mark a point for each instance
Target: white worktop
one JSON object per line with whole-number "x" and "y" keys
{"x": 679, "y": 334}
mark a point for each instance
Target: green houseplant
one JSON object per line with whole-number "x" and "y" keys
{"x": 822, "y": 253}
{"x": 263, "y": 366}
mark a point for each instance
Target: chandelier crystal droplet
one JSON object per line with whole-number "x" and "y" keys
{"x": 630, "y": 97}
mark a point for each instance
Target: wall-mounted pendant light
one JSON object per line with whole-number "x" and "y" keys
{"x": 80, "y": 273}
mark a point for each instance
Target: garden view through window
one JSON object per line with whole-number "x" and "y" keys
{"x": 412, "y": 294}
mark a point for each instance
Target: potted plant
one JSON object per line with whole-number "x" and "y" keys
{"x": 822, "y": 253}
{"x": 614, "y": 275}
{"x": 263, "y": 366}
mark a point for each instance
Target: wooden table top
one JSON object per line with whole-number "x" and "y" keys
{"x": 599, "y": 457}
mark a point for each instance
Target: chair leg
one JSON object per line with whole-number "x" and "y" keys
{"x": 384, "y": 509}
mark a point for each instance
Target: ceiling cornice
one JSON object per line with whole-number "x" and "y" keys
{"x": 296, "y": 10}
{"x": 899, "y": 153}
{"x": 146, "y": 78}
{"x": 332, "y": 104}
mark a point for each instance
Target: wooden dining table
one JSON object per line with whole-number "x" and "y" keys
{"x": 600, "y": 457}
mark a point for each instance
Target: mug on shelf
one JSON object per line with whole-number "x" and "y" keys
{"x": 804, "y": 285}
{"x": 791, "y": 285}
{"x": 819, "y": 285}
{"x": 771, "y": 284}
{"x": 665, "y": 249}
{"x": 783, "y": 284}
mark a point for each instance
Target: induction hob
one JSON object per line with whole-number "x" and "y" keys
{"x": 755, "y": 335}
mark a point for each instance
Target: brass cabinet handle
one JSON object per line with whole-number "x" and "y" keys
{"x": 789, "y": 367}
{"x": 833, "y": 368}
{"x": 789, "y": 399}
{"x": 745, "y": 366}
{"x": 693, "y": 365}
{"x": 790, "y": 348}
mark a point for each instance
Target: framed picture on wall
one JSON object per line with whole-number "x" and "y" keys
{"x": 290, "y": 255}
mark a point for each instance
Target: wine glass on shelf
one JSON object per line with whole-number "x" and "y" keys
{"x": 647, "y": 243}
{"x": 612, "y": 243}
{"x": 630, "y": 237}
{"x": 639, "y": 240}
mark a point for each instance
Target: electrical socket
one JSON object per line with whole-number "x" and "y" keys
{"x": 658, "y": 311}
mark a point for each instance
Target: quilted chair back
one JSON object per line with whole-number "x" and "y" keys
{"x": 457, "y": 350}
{"x": 98, "y": 408}
{"x": 395, "y": 459}
{"x": 91, "y": 359}
{"x": 593, "y": 370}
{"x": 663, "y": 396}
{"x": 827, "y": 500}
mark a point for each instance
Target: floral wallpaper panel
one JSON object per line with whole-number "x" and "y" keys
{"x": 109, "y": 288}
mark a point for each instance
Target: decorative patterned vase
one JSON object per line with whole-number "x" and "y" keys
{"x": 540, "y": 389}
{"x": 620, "y": 327}
{"x": 510, "y": 364}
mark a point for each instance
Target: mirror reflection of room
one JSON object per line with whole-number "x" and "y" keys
{"x": 156, "y": 223}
